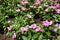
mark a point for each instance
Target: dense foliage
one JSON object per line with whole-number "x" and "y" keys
{"x": 30, "y": 19}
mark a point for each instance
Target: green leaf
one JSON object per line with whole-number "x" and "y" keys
{"x": 40, "y": 37}
{"x": 24, "y": 38}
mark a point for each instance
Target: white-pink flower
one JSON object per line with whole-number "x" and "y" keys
{"x": 58, "y": 36}
{"x": 24, "y": 2}
{"x": 47, "y": 23}
{"x": 23, "y": 29}
{"x": 34, "y": 7}
{"x": 37, "y": 2}
{"x": 56, "y": 25}
{"x": 33, "y": 26}
{"x": 23, "y": 8}
{"x": 18, "y": 10}
{"x": 46, "y": 10}
{"x": 9, "y": 28}
{"x": 14, "y": 36}
{"x": 29, "y": 16}
{"x": 58, "y": 11}
{"x": 39, "y": 6}
{"x": 53, "y": 7}
{"x": 38, "y": 29}
{"x": 31, "y": 6}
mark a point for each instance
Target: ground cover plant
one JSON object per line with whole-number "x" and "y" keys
{"x": 30, "y": 19}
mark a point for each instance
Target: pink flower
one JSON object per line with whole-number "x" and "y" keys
{"x": 47, "y": 23}
{"x": 23, "y": 8}
{"x": 40, "y": 7}
{"x": 14, "y": 36}
{"x": 58, "y": 5}
{"x": 29, "y": 16}
{"x": 34, "y": 6}
{"x": 46, "y": 10}
{"x": 33, "y": 26}
{"x": 38, "y": 29}
{"x": 53, "y": 7}
{"x": 56, "y": 25}
{"x": 58, "y": 11}
{"x": 23, "y": 29}
{"x": 17, "y": 10}
{"x": 31, "y": 6}
{"x": 37, "y": 2}
{"x": 24, "y": 2}
{"x": 9, "y": 28}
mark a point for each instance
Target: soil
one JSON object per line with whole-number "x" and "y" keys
{"x": 4, "y": 37}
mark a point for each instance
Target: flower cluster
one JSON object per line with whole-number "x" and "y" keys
{"x": 30, "y": 19}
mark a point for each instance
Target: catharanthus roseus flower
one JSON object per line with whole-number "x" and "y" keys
{"x": 14, "y": 36}
{"x": 38, "y": 29}
{"x": 46, "y": 10}
{"x": 58, "y": 5}
{"x": 17, "y": 10}
{"x": 24, "y": 2}
{"x": 9, "y": 28}
{"x": 39, "y": 6}
{"x": 29, "y": 16}
{"x": 37, "y": 2}
{"x": 31, "y": 6}
{"x": 53, "y": 7}
{"x": 56, "y": 25}
{"x": 47, "y": 23}
{"x": 23, "y": 29}
{"x": 58, "y": 36}
{"x": 58, "y": 11}
{"x": 34, "y": 7}
{"x": 23, "y": 8}
{"x": 33, "y": 26}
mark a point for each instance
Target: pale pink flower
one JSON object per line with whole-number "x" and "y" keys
{"x": 37, "y": 2}
{"x": 56, "y": 25}
{"x": 17, "y": 10}
{"x": 29, "y": 16}
{"x": 39, "y": 6}
{"x": 34, "y": 6}
{"x": 38, "y": 29}
{"x": 58, "y": 36}
{"x": 33, "y": 26}
{"x": 23, "y": 29}
{"x": 14, "y": 36}
{"x": 53, "y": 7}
{"x": 9, "y": 28}
{"x": 31, "y": 6}
{"x": 59, "y": 26}
{"x": 58, "y": 11}
{"x": 47, "y": 23}
{"x": 23, "y": 8}
{"x": 46, "y": 10}
{"x": 26, "y": 2}
{"x": 22, "y": 3}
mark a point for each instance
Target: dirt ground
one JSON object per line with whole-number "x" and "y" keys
{"x": 4, "y": 37}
